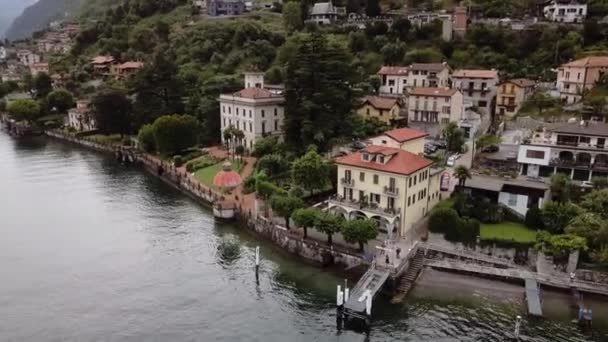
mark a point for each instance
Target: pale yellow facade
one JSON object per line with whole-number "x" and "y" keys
{"x": 400, "y": 201}
{"x": 510, "y": 97}
{"x": 384, "y": 115}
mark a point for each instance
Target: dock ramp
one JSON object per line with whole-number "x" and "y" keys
{"x": 533, "y": 297}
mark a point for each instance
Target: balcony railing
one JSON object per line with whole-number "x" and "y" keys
{"x": 569, "y": 162}
{"x": 600, "y": 166}
{"x": 391, "y": 191}
{"x": 347, "y": 182}
{"x": 370, "y": 207}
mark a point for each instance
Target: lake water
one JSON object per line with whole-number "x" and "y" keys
{"x": 92, "y": 250}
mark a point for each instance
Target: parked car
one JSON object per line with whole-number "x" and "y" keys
{"x": 452, "y": 159}
{"x": 440, "y": 144}
{"x": 587, "y": 184}
{"x": 491, "y": 149}
{"x": 432, "y": 148}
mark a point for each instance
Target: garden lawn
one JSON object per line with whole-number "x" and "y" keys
{"x": 207, "y": 174}
{"x": 507, "y": 231}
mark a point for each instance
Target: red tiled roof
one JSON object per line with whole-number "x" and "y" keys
{"x": 405, "y": 134}
{"x": 131, "y": 65}
{"x": 254, "y": 93}
{"x": 380, "y": 102}
{"x": 401, "y": 162}
{"x": 442, "y": 92}
{"x": 475, "y": 73}
{"x": 592, "y": 61}
{"x": 393, "y": 70}
{"x": 102, "y": 59}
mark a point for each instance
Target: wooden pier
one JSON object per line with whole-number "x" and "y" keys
{"x": 533, "y": 298}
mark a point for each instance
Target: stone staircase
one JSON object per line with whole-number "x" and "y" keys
{"x": 410, "y": 276}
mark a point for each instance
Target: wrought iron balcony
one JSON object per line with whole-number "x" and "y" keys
{"x": 349, "y": 182}
{"x": 391, "y": 191}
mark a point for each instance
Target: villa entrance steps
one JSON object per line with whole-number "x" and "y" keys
{"x": 410, "y": 276}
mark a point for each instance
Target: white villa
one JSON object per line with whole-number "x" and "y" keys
{"x": 256, "y": 110}
{"x": 565, "y": 12}
{"x": 80, "y": 118}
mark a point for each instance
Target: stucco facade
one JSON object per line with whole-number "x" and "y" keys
{"x": 511, "y": 95}
{"x": 392, "y": 186}
{"x": 406, "y": 139}
{"x": 384, "y": 109}
{"x": 434, "y": 106}
{"x": 478, "y": 87}
{"x": 576, "y": 76}
{"x": 257, "y": 112}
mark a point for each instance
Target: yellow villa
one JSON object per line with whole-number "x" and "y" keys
{"x": 385, "y": 109}
{"x": 397, "y": 188}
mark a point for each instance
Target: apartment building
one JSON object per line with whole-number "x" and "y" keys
{"x": 393, "y": 79}
{"x": 512, "y": 94}
{"x": 396, "y": 188}
{"x": 579, "y": 75}
{"x": 429, "y": 75}
{"x": 565, "y": 12}
{"x": 478, "y": 87}
{"x": 579, "y": 150}
{"x": 434, "y": 108}
{"x": 255, "y": 110}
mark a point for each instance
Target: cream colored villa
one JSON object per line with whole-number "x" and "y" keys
{"x": 406, "y": 139}
{"x": 396, "y": 188}
{"x": 255, "y": 110}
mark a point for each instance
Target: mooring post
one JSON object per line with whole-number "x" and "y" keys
{"x": 257, "y": 264}
{"x": 517, "y": 326}
{"x": 368, "y": 310}
{"x": 346, "y": 291}
{"x": 339, "y": 307}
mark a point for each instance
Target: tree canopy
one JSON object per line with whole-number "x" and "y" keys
{"x": 28, "y": 110}
{"x": 112, "y": 111}
{"x": 173, "y": 133}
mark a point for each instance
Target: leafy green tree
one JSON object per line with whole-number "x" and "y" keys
{"x": 112, "y": 111}
{"x": 534, "y": 218}
{"x": 328, "y": 224}
{"x": 265, "y": 145}
{"x": 443, "y": 219}
{"x": 145, "y": 136}
{"x": 595, "y": 104}
{"x": 26, "y": 109}
{"x": 462, "y": 174}
{"x": 372, "y": 9}
{"x": 43, "y": 85}
{"x": 305, "y": 218}
{"x": 488, "y": 140}
{"x": 596, "y": 202}
{"x": 454, "y": 138}
{"x": 557, "y": 216}
{"x": 561, "y": 187}
{"x": 285, "y": 206}
{"x": 539, "y": 102}
{"x": 319, "y": 97}
{"x": 292, "y": 16}
{"x": 559, "y": 245}
{"x": 393, "y": 53}
{"x": 401, "y": 29}
{"x": 359, "y": 231}
{"x": 273, "y": 165}
{"x": 61, "y": 100}
{"x": 599, "y": 183}
{"x": 310, "y": 172}
{"x": 593, "y": 227}
{"x": 174, "y": 133}
{"x": 159, "y": 89}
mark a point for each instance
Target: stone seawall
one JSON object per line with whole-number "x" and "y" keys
{"x": 308, "y": 249}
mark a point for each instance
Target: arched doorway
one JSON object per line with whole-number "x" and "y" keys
{"x": 583, "y": 158}
{"x": 339, "y": 211}
{"x": 566, "y": 156}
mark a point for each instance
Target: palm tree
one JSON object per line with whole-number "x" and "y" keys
{"x": 239, "y": 136}
{"x": 228, "y": 134}
{"x": 462, "y": 173}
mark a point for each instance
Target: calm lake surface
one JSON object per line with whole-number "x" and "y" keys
{"x": 91, "y": 250}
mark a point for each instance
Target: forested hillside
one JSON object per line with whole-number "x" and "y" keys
{"x": 189, "y": 63}
{"x": 39, "y": 15}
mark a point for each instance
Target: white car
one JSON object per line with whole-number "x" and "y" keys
{"x": 452, "y": 159}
